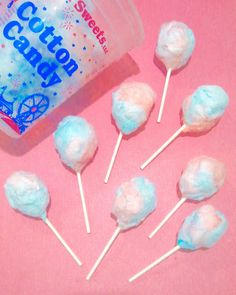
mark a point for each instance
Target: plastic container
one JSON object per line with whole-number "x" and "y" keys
{"x": 49, "y": 49}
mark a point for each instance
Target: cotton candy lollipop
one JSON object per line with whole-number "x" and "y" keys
{"x": 201, "y": 179}
{"x": 131, "y": 106}
{"x": 134, "y": 201}
{"x": 174, "y": 48}
{"x": 76, "y": 143}
{"x": 27, "y": 194}
{"x": 202, "y": 229}
{"x": 201, "y": 112}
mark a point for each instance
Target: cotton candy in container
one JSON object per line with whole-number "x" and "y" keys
{"x": 58, "y": 46}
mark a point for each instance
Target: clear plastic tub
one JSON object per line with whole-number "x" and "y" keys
{"x": 50, "y": 49}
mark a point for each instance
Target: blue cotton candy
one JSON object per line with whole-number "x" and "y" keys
{"x": 27, "y": 194}
{"x": 202, "y": 229}
{"x": 202, "y": 178}
{"x": 207, "y": 104}
{"x": 131, "y": 105}
{"x": 134, "y": 201}
{"x": 75, "y": 141}
{"x": 127, "y": 116}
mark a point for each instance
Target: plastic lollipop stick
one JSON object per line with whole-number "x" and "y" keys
{"x": 168, "y": 216}
{"x": 174, "y": 48}
{"x": 200, "y": 113}
{"x": 68, "y": 249}
{"x": 102, "y": 255}
{"x": 135, "y": 200}
{"x": 132, "y": 103}
{"x": 202, "y": 229}
{"x": 113, "y": 157}
{"x": 76, "y": 143}
{"x": 201, "y": 179}
{"x": 27, "y": 194}
{"x": 86, "y": 219}
{"x": 165, "y": 145}
{"x": 159, "y": 260}
{"x": 164, "y": 95}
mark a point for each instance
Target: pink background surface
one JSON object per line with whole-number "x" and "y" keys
{"x": 33, "y": 262}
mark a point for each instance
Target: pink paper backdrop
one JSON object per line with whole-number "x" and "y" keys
{"x": 32, "y": 262}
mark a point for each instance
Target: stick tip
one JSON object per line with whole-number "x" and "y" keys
{"x": 79, "y": 262}
{"x": 130, "y": 280}
{"x": 106, "y": 178}
{"x": 87, "y": 225}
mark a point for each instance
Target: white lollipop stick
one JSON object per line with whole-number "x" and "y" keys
{"x": 68, "y": 249}
{"x": 159, "y": 260}
{"x": 105, "y": 250}
{"x": 86, "y": 219}
{"x": 161, "y": 149}
{"x": 168, "y": 216}
{"x": 164, "y": 95}
{"x": 113, "y": 157}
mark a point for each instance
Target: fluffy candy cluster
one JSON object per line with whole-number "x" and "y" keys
{"x": 175, "y": 44}
{"x": 134, "y": 200}
{"x": 27, "y": 194}
{"x": 204, "y": 108}
{"x": 202, "y": 229}
{"x": 202, "y": 178}
{"x": 75, "y": 141}
{"x": 131, "y": 105}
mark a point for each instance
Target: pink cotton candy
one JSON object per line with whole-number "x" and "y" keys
{"x": 175, "y": 44}
{"x": 202, "y": 125}
{"x": 202, "y": 178}
{"x": 129, "y": 203}
{"x": 137, "y": 93}
{"x": 87, "y": 154}
{"x": 135, "y": 200}
{"x": 202, "y": 229}
{"x": 208, "y": 217}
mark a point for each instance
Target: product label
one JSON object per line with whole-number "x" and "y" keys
{"x": 48, "y": 50}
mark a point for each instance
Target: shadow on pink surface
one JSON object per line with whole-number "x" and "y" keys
{"x": 87, "y": 95}
{"x": 159, "y": 64}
